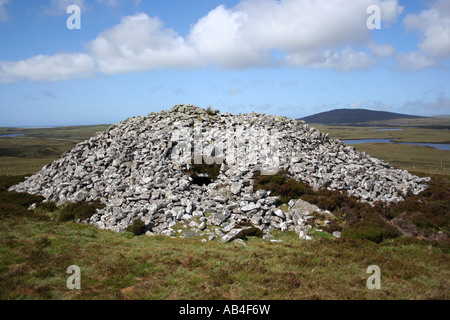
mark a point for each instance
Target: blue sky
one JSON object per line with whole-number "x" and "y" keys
{"x": 286, "y": 57}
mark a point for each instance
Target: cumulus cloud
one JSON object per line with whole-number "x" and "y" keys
{"x": 59, "y": 7}
{"x": 344, "y": 60}
{"x": 218, "y": 38}
{"x": 309, "y": 33}
{"x": 356, "y": 105}
{"x": 3, "y": 14}
{"x": 415, "y": 61}
{"x": 383, "y": 50}
{"x": 140, "y": 43}
{"x": 441, "y": 102}
{"x": 48, "y": 68}
{"x": 110, "y": 3}
{"x": 292, "y": 25}
{"x": 433, "y": 27}
{"x": 255, "y": 33}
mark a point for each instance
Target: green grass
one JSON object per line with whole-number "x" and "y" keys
{"x": 418, "y": 159}
{"x": 36, "y": 248}
{"x": 29, "y": 153}
{"x": 35, "y": 253}
{"x": 426, "y": 214}
{"x": 432, "y": 122}
{"x": 438, "y": 122}
{"x": 424, "y": 135}
{"x": 15, "y": 166}
{"x": 70, "y": 132}
{"x": 413, "y": 158}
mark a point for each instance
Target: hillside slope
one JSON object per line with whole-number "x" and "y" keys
{"x": 354, "y": 116}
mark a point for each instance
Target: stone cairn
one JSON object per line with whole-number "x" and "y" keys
{"x": 140, "y": 168}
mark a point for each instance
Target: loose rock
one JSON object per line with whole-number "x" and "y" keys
{"x": 140, "y": 168}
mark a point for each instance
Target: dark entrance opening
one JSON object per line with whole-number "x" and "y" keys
{"x": 200, "y": 180}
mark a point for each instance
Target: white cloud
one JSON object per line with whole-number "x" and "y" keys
{"x": 440, "y": 103}
{"x": 110, "y": 3}
{"x": 48, "y": 68}
{"x": 390, "y": 10}
{"x": 356, "y": 105}
{"x": 117, "y": 3}
{"x": 302, "y": 25}
{"x": 244, "y": 36}
{"x": 378, "y": 105}
{"x": 433, "y": 27}
{"x": 344, "y": 60}
{"x": 140, "y": 43}
{"x": 217, "y": 37}
{"x": 383, "y": 50}
{"x": 3, "y": 14}
{"x": 59, "y": 7}
{"x": 255, "y": 33}
{"x": 415, "y": 61}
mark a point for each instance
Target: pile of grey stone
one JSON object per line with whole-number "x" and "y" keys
{"x": 140, "y": 169}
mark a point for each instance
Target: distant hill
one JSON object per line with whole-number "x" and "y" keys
{"x": 354, "y": 117}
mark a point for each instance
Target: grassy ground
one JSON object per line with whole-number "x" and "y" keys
{"x": 432, "y": 122}
{"x": 35, "y": 251}
{"x": 410, "y": 157}
{"x": 29, "y": 153}
{"x": 407, "y": 134}
{"x": 22, "y": 166}
{"x": 76, "y": 132}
